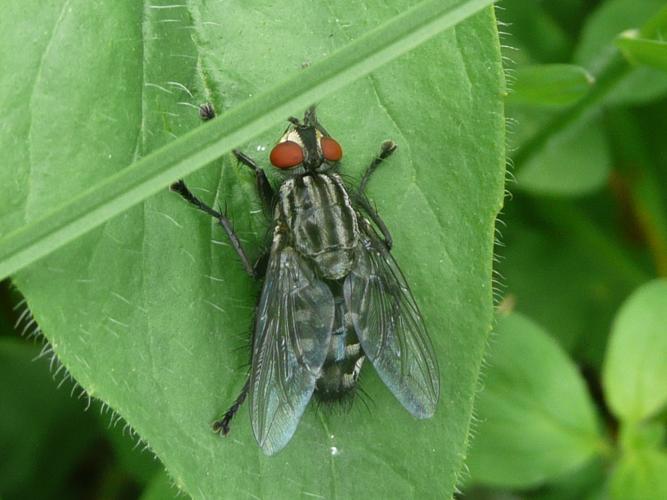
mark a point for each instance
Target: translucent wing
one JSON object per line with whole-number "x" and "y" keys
{"x": 292, "y": 333}
{"x": 390, "y": 327}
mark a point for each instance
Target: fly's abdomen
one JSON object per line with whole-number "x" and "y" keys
{"x": 344, "y": 359}
{"x": 322, "y": 223}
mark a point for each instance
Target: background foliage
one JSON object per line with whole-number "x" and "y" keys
{"x": 151, "y": 311}
{"x": 573, "y": 398}
{"x": 574, "y": 402}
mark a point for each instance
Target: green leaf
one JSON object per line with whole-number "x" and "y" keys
{"x": 635, "y": 372}
{"x": 597, "y": 48}
{"x": 543, "y": 274}
{"x": 128, "y": 453}
{"x": 656, "y": 25}
{"x": 43, "y": 432}
{"x": 152, "y": 312}
{"x": 53, "y": 228}
{"x": 573, "y": 162}
{"x": 652, "y": 53}
{"x": 585, "y": 483}
{"x": 533, "y": 31}
{"x": 635, "y": 436}
{"x": 640, "y": 475}
{"x": 550, "y": 85}
{"x": 536, "y": 420}
{"x": 638, "y": 174}
{"x": 616, "y": 83}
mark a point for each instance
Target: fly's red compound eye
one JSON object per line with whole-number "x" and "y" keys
{"x": 331, "y": 150}
{"x": 286, "y": 154}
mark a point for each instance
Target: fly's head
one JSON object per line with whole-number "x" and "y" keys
{"x": 306, "y": 147}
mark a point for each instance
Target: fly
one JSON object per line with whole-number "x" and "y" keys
{"x": 333, "y": 295}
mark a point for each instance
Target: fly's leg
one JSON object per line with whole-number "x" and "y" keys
{"x": 222, "y": 425}
{"x": 263, "y": 186}
{"x": 180, "y": 188}
{"x": 377, "y": 220}
{"x": 261, "y": 264}
{"x": 386, "y": 150}
{"x": 256, "y": 271}
{"x": 206, "y": 113}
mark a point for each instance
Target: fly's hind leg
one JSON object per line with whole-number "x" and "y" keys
{"x": 386, "y": 150}
{"x": 222, "y": 425}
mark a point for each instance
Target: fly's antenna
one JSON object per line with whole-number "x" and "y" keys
{"x": 310, "y": 120}
{"x": 310, "y": 117}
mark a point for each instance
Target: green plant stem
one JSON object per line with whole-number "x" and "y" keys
{"x": 613, "y": 73}
{"x": 210, "y": 141}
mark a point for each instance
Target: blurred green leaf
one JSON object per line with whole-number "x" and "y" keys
{"x": 635, "y": 436}
{"x": 524, "y": 122}
{"x": 644, "y": 51}
{"x": 655, "y": 27}
{"x": 640, "y": 476}
{"x": 153, "y": 317}
{"x": 573, "y": 162}
{"x": 597, "y": 48}
{"x": 550, "y": 85}
{"x": 43, "y": 432}
{"x": 482, "y": 493}
{"x": 564, "y": 283}
{"x": 569, "y": 14}
{"x": 130, "y": 455}
{"x": 534, "y": 32}
{"x": 161, "y": 487}
{"x": 635, "y": 371}
{"x": 536, "y": 420}
{"x": 637, "y": 181}
{"x": 616, "y": 81}
{"x": 585, "y": 483}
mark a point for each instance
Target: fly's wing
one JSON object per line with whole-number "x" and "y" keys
{"x": 292, "y": 333}
{"x": 390, "y": 327}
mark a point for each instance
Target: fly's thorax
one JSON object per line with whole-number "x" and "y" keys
{"x": 321, "y": 221}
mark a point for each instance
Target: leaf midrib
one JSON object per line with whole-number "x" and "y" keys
{"x": 146, "y": 177}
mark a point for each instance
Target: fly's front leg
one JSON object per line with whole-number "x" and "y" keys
{"x": 263, "y": 186}
{"x": 386, "y": 150}
{"x": 206, "y": 113}
{"x": 180, "y": 188}
{"x": 377, "y": 220}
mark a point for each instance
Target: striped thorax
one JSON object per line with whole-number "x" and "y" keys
{"x": 321, "y": 221}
